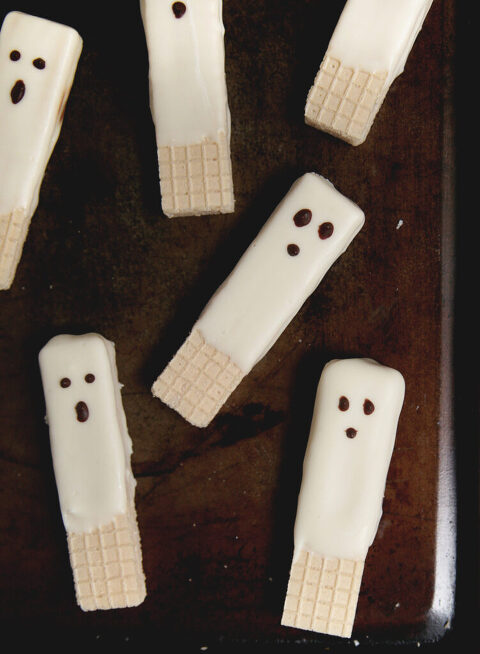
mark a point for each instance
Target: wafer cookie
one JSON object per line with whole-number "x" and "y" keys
{"x": 107, "y": 564}
{"x": 38, "y": 60}
{"x": 91, "y": 452}
{"x": 189, "y": 105}
{"x": 351, "y": 440}
{"x": 197, "y": 381}
{"x": 309, "y": 230}
{"x": 344, "y": 101}
{"x": 196, "y": 179}
{"x": 367, "y": 51}
{"x": 13, "y": 232}
{"x": 322, "y": 594}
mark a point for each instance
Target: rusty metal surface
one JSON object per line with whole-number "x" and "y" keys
{"x": 216, "y": 506}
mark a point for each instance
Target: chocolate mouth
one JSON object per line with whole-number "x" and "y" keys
{"x": 351, "y": 432}
{"x": 18, "y": 91}
{"x": 82, "y": 411}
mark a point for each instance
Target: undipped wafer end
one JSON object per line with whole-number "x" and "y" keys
{"x": 196, "y": 179}
{"x": 13, "y": 232}
{"x": 197, "y": 381}
{"x": 322, "y": 594}
{"x": 107, "y": 565}
{"x": 344, "y": 101}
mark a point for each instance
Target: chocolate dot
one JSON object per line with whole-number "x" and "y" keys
{"x": 325, "y": 230}
{"x": 351, "y": 432}
{"x": 178, "y": 9}
{"x": 293, "y": 249}
{"x": 65, "y": 382}
{"x": 15, "y": 55}
{"x": 89, "y": 378}
{"x": 18, "y": 91}
{"x": 368, "y": 407}
{"x": 39, "y": 63}
{"x": 343, "y": 403}
{"x": 82, "y": 411}
{"x": 302, "y": 217}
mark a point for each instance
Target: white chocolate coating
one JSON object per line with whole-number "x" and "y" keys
{"x": 30, "y": 128}
{"x": 377, "y": 35}
{"x": 188, "y": 93}
{"x": 266, "y": 289}
{"x": 91, "y": 459}
{"x": 343, "y": 483}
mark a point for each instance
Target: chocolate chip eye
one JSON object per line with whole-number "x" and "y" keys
{"x": 302, "y": 217}
{"x": 15, "y": 55}
{"x": 325, "y": 230}
{"x": 89, "y": 378}
{"x": 293, "y": 249}
{"x": 39, "y": 63}
{"x": 178, "y": 9}
{"x": 65, "y": 382}
{"x": 368, "y": 407}
{"x": 343, "y": 403}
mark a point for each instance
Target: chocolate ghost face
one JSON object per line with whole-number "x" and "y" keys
{"x": 303, "y": 218}
{"x": 344, "y": 405}
{"x": 355, "y": 404}
{"x": 90, "y": 444}
{"x": 79, "y": 384}
{"x": 315, "y": 228}
{"x": 81, "y": 407}
{"x": 18, "y": 89}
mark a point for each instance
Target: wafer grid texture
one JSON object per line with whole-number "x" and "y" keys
{"x": 344, "y": 101}
{"x": 197, "y": 381}
{"x": 322, "y": 594}
{"x": 196, "y": 179}
{"x": 107, "y": 565}
{"x": 13, "y": 232}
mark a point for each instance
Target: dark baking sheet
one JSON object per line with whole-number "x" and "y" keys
{"x": 216, "y": 507}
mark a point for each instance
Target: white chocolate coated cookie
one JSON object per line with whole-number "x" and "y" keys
{"x": 189, "y": 104}
{"x": 311, "y": 227}
{"x": 38, "y": 60}
{"x": 351, "y": 441}
{"x": 90, "y": 444}
{"x": 91, "y": 452}
{"x": 345, "y": 468}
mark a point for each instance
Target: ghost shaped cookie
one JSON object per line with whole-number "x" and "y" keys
{"x": 38, "y": 60}
{"x": 189, "y": 105}
{"x": 91, "y": 451}
{"x": 339, "y": 508}
{"x": 311, "y": 227}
